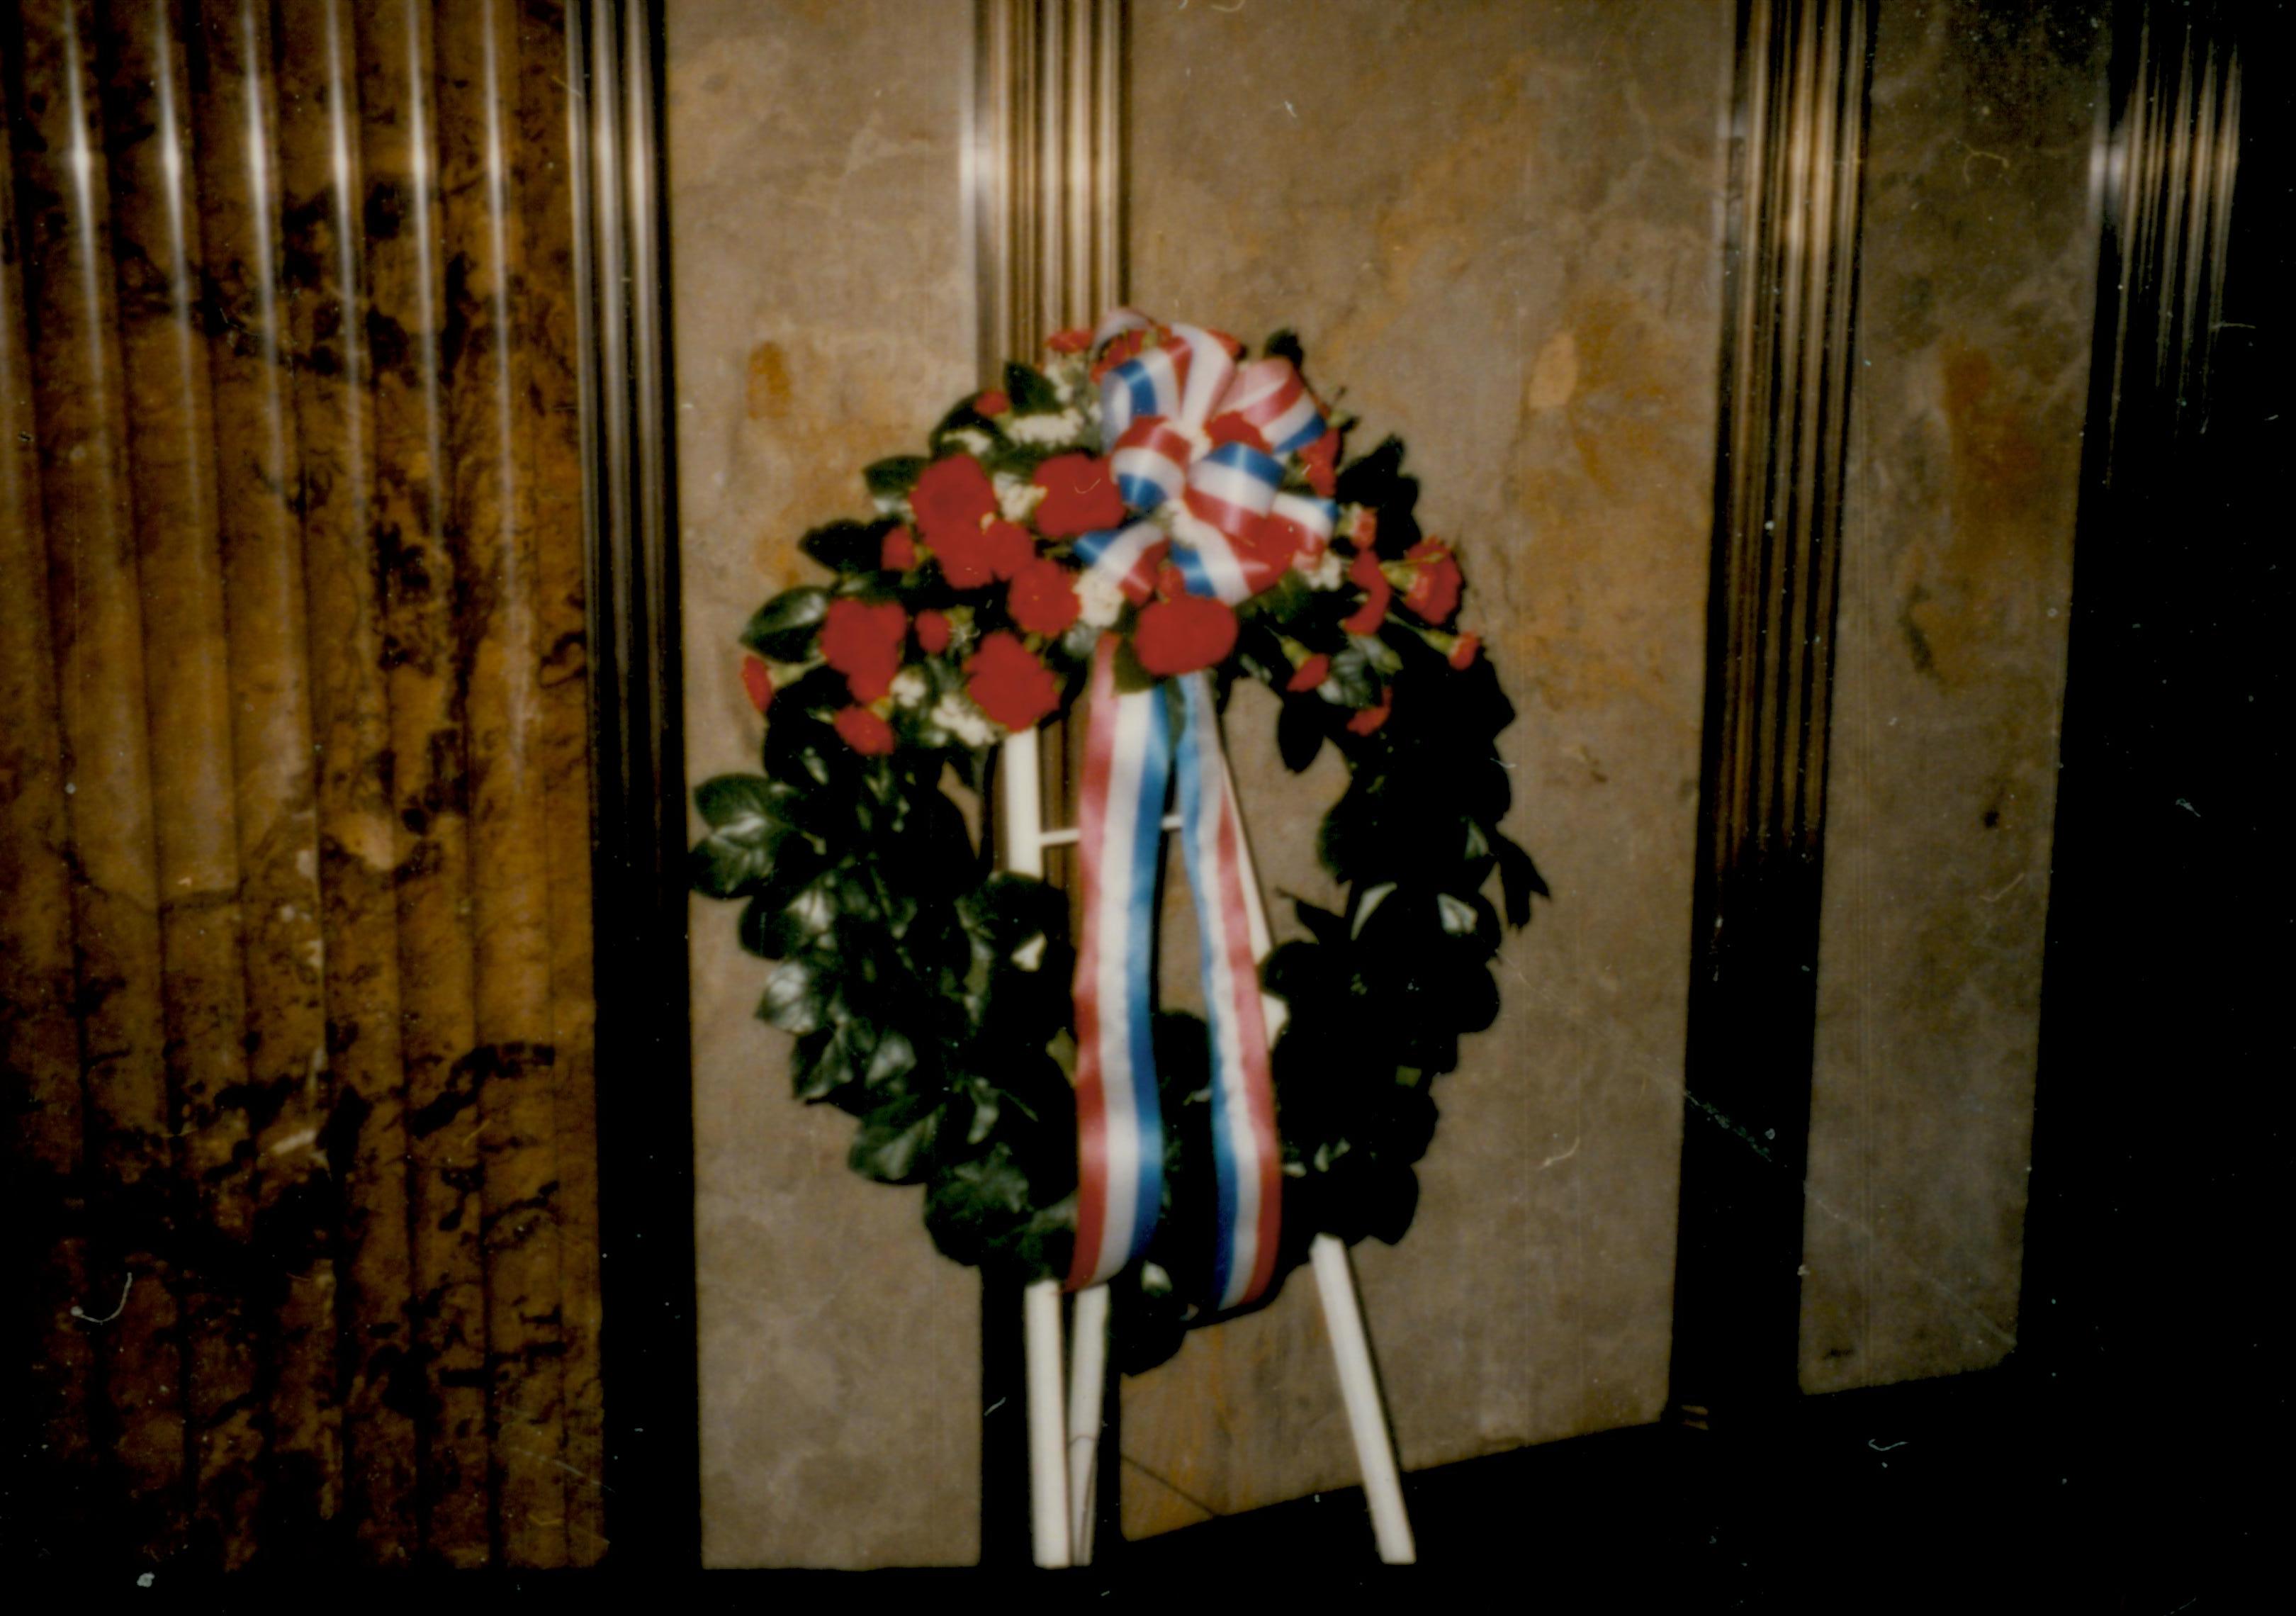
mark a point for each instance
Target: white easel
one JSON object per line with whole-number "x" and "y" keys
{"x": 1061, "y": 1490}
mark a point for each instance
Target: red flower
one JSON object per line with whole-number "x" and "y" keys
{"x": 1125, "y": 345}
{"x": 1366, "y": 533}
{"x": 758, "y": 680}
{"x": 1434, "y": 592}
{"x": 862, "y": 640}
{"x": 1043, "y": 601}
{"x": 864, "y": 732}
{"x": 1080, "y": 497}
{"x": 1371, "y": 717}
{"x": 1233, "y": 428}
{"x": 985, "y": 555}
{"x": 901, "y": 551}
{"x": 1320, "y": 460}
{"x": 1310, "y": 672}
{"x": 1184, "y": 634}
{"x": 1073, "y": 341}
{"x": 951, "y": 498}
{"x": 1366, "y": 575}
{"x": 1008, "y": 684}
{"x": 993, "y": 403}
{"x": 932, "y": 632}
{"x": 1463, "y": 655}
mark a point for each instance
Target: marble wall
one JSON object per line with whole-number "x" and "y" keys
{"x": 1978, "y": 294}
{"x": 1496, "y": 224}
{"x": 823, "y": 317}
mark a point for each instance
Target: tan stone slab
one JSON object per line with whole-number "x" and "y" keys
{"x": 1978, "y": 293}
{"x": 1497, "y": 225}
{"x": 822, "y": 308}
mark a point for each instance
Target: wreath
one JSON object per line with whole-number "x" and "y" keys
{"x": 1148, "y": 511}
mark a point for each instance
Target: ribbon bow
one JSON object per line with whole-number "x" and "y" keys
{"x": 1233, "y": 533}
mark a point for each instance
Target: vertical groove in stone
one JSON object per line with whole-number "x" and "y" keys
{"x": 416, "y": 333}
{"x": 490, "y": 532}
{"x": 257, "y": 476}
{"x": 295, "y": 999}
{"x": 546, "y": 324}
{"x": 98, "y": 625}
{"x": 364, "y": 1141}
{"x": 39, "y": 1041}
{"x": 187, "y": 671}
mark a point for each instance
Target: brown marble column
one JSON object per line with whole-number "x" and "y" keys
{"x": 296, "y": 1005}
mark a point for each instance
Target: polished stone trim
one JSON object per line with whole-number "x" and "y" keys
{"x": 1045, "y": 170}
{"x": 1044, "y": 178}
{"x": 1798, "y": 117}
{"x": 643, "y": 1039}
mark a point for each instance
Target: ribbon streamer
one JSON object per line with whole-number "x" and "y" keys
{"x": 1238, "y": 535}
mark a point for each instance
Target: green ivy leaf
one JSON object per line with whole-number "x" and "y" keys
{"x": 1299, "y": 731}
{"x": 894, "y": 1145}
{"x": 847, "y": 546}
{"x": 783, "y": 630}
{"x": 1518, "y": 878}
{"x": 792, "y": 1000}
{"x": 1030, "y": 391}
{"x": 893, "y": 477}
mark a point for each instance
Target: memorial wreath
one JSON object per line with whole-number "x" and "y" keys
{"x": 1130, "y": 525}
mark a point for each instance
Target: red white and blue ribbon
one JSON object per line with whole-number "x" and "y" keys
{"x": 1120, "y": 1127}
{"x": 1248, "y": 1155}
{"x": 1239, "y": 536}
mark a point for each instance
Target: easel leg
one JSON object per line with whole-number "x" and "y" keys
{"x": 1335, "y": 1283}
{"x": 1087, "y": 1394}
{"x": 1048, "y": 1510}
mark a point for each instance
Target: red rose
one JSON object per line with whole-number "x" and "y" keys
{"x": 1233, "y": 428}
{"x": 901, "y": 551}
{"x": 1366, "y": 533}
{"x": 1125, "y": 345}
{"x": 758, "y": 680}
{"x": 1320, "y": 460}
{"x": 1071, "y": 341}
{"x": 951, "y": 498}
{"x": 932, "y": 632}
{"x": 1463, "y": 655}
{"x": 1365, "y": 576}
{"x": 1184, "y": 634}
{"x": 864, "y": 732}
{"x": 862, "y": 640}
{"x": 985, "y": 554}
{"x": 1009, "y": 684}
{"x": 1080, "y": 497}
{"x": 1310, "y": 672}
{"x": 1043, "y": 601}
{"x": 1371, "y": 717}
{"x": 992, "y": 402}
{"x": 1434, "y": 592}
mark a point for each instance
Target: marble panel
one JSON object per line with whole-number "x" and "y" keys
{"x": 823, "y": 319}
{"x": 1976, "y": 302}
{"x": 1498, "y": 225}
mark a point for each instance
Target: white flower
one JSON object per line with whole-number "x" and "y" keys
{"x": 893, "y": 505}
{"x": 1099, "y": 597}
{"x": 1324, "y": 572}
{"x": 976, "y": 442}
{"x": 1067, "y": 373}
{"x": 1016, "y": 499}
{"x": 1063, "y": 428}
{"x": 910, "y": 686}
{"x": 1186, "y": 527}
{"x": 956, "y": 714}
